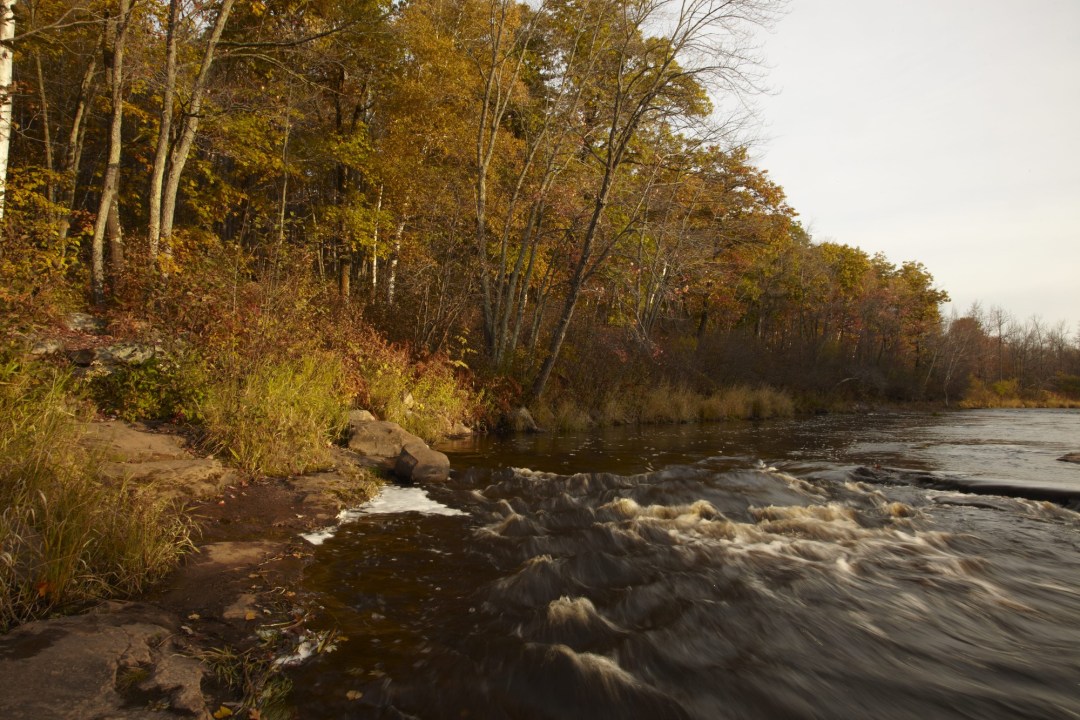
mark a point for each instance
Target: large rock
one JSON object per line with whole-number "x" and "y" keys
{"x": 123, "y": 661}
{"x": 1071, "y": 457}
{"x": 521, "y": 420}
{"x": 398, "y": 449}
{"x": 421, "y": 464}
{"x": 81, "y": 322}
{"x": 379, "y": 438}
{"x": 125, "y": 354}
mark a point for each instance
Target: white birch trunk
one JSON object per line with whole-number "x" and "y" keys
{"x": 7, "y": 34}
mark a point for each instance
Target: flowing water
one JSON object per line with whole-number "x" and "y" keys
{"x": 835, "y": 567}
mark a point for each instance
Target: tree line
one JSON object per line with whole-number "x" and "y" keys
{"x": 555, "y": 192}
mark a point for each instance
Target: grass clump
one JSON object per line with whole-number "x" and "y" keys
{"x": 66, "y": 535}
{"x": 425, "y": 397}
{"x": 252, "y": 673}
{"x": 279, "y": 417}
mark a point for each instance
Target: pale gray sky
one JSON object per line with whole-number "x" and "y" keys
{"x": 944, "y": 131}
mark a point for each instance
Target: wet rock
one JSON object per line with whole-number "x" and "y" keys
{"x": 1071, "y": 457}
{"x": 459, "y": 430}
{"x": 419, "y": 463}
{"x": 521, "y": 420}
{"x": 122, "y": 661}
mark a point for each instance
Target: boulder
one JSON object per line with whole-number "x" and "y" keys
{"x": 81, "y": 322}
{"x": 521, "y": 420}
{"x": 1071, "y": 457}
{"x": 419, "y": 463}
{"x": 459, "y": 430}
{"x": 49, "y": 346}
{"x": 361, "y": 416}
{"x": 125, "y": 354}
{"x": 398, "y": 449}
{"x": 379, "y": 438}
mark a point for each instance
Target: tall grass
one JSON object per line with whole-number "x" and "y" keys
{"x": 67, "y": 536}
{"x": 664, "y": 403}
{"x": 279, "y": 417}
{"x": 1009, "y": 394}
{"x": 426, "y": 398}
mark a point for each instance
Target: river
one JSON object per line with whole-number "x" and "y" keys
{"x": 881, "y": 566}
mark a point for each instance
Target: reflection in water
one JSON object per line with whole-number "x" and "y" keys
{"x": 714, "y": 586}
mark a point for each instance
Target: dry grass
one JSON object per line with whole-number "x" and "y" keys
{"x": 665, "y": 403}
{"x": 67, "y": 536}
{"x": 278, "y": 418}
{"x": 1008, "y": 394}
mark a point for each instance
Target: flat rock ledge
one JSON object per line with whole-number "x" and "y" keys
{"x": 122, "y": 660}
{"x": 397, "y": 449}
{"x": 157, "y": 461}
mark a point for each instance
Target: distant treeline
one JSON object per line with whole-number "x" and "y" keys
{"x": 552, "y": 194}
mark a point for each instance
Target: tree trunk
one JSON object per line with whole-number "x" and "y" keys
{"x": 375, "y": 248}
{"x": 73, "y": 156}
{"x": 114, "y": 64}
{"x": 391, "y": 270}
{"x": 178, "y": 157}
{"x": 115, "y": 233}
{"x": 161, "y": 153}
{"x": 344, "y": 279}
{"x": 46, "y": 137}
{"x": 7, "y": 34}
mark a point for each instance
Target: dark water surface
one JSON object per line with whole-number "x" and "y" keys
{"x": 834, "y": 567}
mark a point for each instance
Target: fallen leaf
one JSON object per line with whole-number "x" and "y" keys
{"x": 354, "y": 695}
{"x": 194, "y": 616}
{"x": 223, "y": 712}
{"x": 249, "y": 615}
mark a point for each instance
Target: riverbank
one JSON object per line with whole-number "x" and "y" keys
{"x": 208, "y": 639}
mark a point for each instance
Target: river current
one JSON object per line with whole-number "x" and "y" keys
{"x": 893, "y": 566}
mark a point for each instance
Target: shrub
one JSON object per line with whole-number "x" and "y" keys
{"x": 667, "y": 403}
{"x": 67, "y": 536}
{"x": 279, "y": 417}
{"x": 162, "y": 388}
{"x": 426, "y": 397}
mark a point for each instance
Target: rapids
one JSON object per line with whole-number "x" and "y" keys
{"x": 822, "y": 568}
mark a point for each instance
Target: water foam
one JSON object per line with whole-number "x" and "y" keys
{"x": 391, "y": 500}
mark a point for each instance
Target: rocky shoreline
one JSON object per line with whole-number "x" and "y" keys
{"x": 140, "y": 658}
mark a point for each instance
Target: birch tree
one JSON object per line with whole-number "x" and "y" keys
{"x": 657, "y": 58}
{"x": 7, "y": 35}
{"x": 114, "y": 66}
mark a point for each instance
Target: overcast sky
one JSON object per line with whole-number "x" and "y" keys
{"x": 944, "y": 131}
